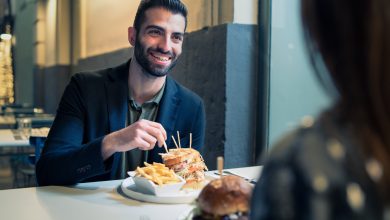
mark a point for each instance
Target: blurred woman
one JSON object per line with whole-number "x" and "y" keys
{"x": 337, "y": 166}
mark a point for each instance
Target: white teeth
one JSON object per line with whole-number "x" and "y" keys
{"x": 164, "y": 59}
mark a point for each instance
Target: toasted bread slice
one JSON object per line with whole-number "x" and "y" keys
{"x": 176, "y": 156}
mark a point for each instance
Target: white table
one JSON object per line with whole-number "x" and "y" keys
{"x": 7, "y": 139}
{"x": 40, "y": 120}
{"x": 7, "y": 121}
{"x": 97, "y": 200}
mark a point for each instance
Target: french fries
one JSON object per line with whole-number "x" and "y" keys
{"x": 157, "y": 173}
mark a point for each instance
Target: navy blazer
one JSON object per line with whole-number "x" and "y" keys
{"x": 93, "y": 105}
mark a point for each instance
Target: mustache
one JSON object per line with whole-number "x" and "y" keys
{"x": 159, "y": 50}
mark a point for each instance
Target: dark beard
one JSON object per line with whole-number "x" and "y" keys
{"x": 146, "y": 65}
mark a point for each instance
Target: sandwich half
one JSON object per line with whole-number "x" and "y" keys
{"x": 187, "y": 163}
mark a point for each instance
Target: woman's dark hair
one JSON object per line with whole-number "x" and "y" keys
{"x": 174, "y": 6}
{"x": 352, "y": 38}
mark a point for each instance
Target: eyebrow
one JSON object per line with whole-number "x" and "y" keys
{"x": 162, "y": 29}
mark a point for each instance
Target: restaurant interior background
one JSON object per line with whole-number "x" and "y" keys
{"x": 245, "y": 58}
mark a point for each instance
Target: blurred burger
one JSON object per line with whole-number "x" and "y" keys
{"x": 187, "y": 163}
{"x": 225, "y": 198}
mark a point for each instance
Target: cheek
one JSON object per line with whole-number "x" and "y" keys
{"x": 146, "y": 43}
{"x": 177, "y": 49}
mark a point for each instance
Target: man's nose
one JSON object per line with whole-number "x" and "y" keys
{"x": 165, "y": 44}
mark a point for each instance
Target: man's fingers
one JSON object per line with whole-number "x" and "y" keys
{"x": 151, "y": 140}
{"x": 142, "y": 144}
{"x": 159, "y": 127}
{"x": 157, "y": 134}
{"x": 145, "y": 134}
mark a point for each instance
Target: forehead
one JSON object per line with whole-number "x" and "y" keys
{"x": 165, "y": 19}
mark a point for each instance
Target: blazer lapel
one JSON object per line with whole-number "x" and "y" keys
{"x": 117, "y": 97}
{"x": 167, "y": 116}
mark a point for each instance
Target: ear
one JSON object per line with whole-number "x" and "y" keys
{"x": 131, "y": 35}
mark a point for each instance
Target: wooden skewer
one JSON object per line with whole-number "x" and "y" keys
{"x": 220, "y": 165}
{"x": 174, "y": 141}
{"x": 178, "y": 138}
{"x": 190, "y": 140}
{"x": 166, "y": 147}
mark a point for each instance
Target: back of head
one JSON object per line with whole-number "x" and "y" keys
{"x": 352, "y": 38}
{"x": 174, "y": 6}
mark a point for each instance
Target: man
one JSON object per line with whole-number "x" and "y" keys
{"x": 109, "y": 121}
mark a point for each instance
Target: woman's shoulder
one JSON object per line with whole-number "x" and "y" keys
{"x": 320, "y": 162}
{"x": 312, "y": 150}
{"x": 307, "y": 138}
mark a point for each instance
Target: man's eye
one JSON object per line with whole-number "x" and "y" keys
{"x": 154, "y": 32}
{"x": 177, "y": 38}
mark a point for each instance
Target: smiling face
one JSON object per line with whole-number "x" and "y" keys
{"x": 158, "y": 43}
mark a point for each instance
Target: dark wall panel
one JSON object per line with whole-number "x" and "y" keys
{"x": 55, "y": 79}
{"x": 241, "y": 93}
{"x": 202, "y": 69}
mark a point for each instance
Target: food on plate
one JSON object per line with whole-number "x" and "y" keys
{"x": 227, "y": 197}
{"x": 157, "y": 173}
{"x": 187, "y": 163}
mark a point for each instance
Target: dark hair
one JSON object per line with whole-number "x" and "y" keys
{"x": 352, "y": 38}
{"x": 174, "y": 6}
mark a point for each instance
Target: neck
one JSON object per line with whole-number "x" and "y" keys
{"x": 143, "y": 87}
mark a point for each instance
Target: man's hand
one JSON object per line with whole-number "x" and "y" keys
{"x": 142, "y": 134}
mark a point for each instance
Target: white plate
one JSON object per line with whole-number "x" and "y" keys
{"x": 129, "y": 189}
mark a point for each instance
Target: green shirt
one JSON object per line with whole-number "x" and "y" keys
{"x": 147, "y": 111}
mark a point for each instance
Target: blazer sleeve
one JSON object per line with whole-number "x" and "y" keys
{"x": 65, "y": 159}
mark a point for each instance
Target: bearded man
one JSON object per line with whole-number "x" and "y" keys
{"x": 109, "y": 121}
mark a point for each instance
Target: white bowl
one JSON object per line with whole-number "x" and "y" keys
{"x": 158, "y": 190}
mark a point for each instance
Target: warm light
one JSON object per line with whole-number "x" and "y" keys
{"x": 6, "y": 36}
{"x": 6, "y": 71}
